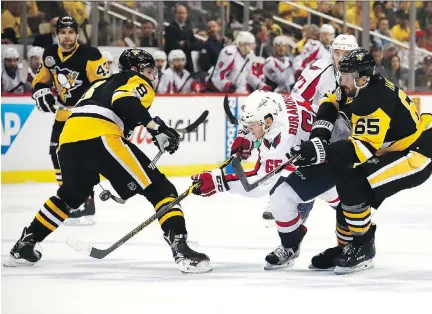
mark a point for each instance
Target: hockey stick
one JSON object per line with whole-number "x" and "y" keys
{"x": 238, "y": 169}
{"x": 99, "y": 254}
{"x": 230, "y": 116}
{"x": 195, "y": 124}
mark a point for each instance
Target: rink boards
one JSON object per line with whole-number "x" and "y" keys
{"x": 26, "y": 135}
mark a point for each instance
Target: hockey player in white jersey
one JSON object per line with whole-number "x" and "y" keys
{"x": 34, "y": 58}
{"x": 233, "y": 65}
{"x": 314, "y": 49}
{"x": 280, "y": 122}
{"x": 10, "y": 78}
{"x": 110, "y": 60}
{"x": 176, "y": 79}
{"x": 278, "y": 74}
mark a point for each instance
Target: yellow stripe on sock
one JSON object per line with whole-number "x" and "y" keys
{"x": 164, "y": 201}
{"x": 169, "y": 215}
{"x": 44, "y": 222}
{"x": 348, "y": 233}
{"x": 57, "y": 210}
{"x": 357, "y": 215}
{"x": 359, "y": 230}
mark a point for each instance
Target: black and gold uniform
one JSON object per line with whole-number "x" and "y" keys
{"x": 71, "y": 74}
{"x": 93, "y": 142}
{"x": 389, "y": 151}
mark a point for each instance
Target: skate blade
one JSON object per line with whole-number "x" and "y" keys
{"x": 347, "y": 270}
{"x": 81, "y": 221}
{"x": 79, "y": 246}
{"x": 188, "y": 266}
{"x": 312, "y": 267}
{"x": 268, "y": 266}
{"x": 13, "y": 262}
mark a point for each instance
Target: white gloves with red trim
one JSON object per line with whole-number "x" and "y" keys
{"x": 211, "y": 182}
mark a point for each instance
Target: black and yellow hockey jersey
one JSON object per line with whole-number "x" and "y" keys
{"x": 112, "y": 106}
{"x": 71, "y": 73}
{"x": 383, "y": 119}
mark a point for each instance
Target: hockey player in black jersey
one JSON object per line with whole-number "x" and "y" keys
{"x": 94, "y": 142}
{"x": 70, "y": 67}
{"x": 389, "y": 150}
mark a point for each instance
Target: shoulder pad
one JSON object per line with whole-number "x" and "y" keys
{"x": 91, "y": 53}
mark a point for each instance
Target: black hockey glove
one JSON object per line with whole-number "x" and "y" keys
{"x": 311, "y": 152}
{"x": 165, "y": 137}
{"x": 45, "y": 101}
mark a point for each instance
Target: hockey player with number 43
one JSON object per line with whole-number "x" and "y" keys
{"x": 70, "y": 67}
{"x": 280, "y": 122}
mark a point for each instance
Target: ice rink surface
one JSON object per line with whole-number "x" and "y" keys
{"x": 141, "y": 276}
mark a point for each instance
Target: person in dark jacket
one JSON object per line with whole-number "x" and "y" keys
{"x": 46, "y": 41}
{"x": 212, "y": 47}
{"x": 147, "y": 38}
{"x": 179, "y": 35}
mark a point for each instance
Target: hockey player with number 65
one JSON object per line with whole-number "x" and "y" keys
{"x": 280, "y": 122}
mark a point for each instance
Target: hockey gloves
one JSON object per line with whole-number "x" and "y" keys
{"x": 211, "y": 182}
{"x": 45, "y": 101}
{"x": 242, "y": 147}
{"x": 311, "y": 152}
{"x": 164, "y": 137}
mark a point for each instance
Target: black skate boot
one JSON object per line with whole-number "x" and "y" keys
{"x": 325, "y": 260}
{"x": 26, "y": 252}
{"x": 357, "y": 256}
{"x": 189, "y": 261}
{"x": 284, "y": 257}
{"x": 84, "y": 215}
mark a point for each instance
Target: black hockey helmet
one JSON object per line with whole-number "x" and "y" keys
{"x": 138, "y": 58}
{"x": 66, "y": 22}
{"x": 358, "y": 60}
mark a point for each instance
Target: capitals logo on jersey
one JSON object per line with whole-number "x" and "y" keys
{"x": 65, "y": 81}
{"x": 276, "y": 141}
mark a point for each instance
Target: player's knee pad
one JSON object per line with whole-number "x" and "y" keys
{"x": 72, "y": 197}
{"x": 304, "y": 209}
{"x": 283, "y": 206}
{"x": 160, "y": 190}
{"x": 354, "y": 188}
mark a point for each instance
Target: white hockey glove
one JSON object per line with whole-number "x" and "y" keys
{"x": 45, "y": 101}
{"x": 211, "y": 182}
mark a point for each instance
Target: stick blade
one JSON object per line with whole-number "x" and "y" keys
{"x": 195, "y": 124}
{"x": 228, "y": 113}
{"x": 79, "y": 246}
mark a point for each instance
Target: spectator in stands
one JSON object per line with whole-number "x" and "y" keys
{"x": 354, "y": 14}
{"x": 148, "y": 38}
{"x": 389, "y": 51}
{"x": 292, "y": 14}
{"x": 47, "y": 40}
{"x": 378, "y": 57}
{"x": 401, "y": 31}
{"x": 377, "y": 13}
{"x": 76, "y": 9}
{"x": 397, "y": 74}
{"x": 10, "y": 78}
{"x": 11, "y": 18}
{"x": 8, "y": 37}
{"x": 299, "y": 46}
{"x": 424, "y": 15}
{"x": 337, "y": 12}
{"x": 179, "y": 35}
{"x": 402, "y": 10}
{"x": 104, "y": 33}
{"x": 127, "y": 36}
{"x": 256, "y": 21}
{"x": 424, "y": 75}
{"x": 383, "y": 29}
{"x": 419, "y": 55}
{"x": 323, "y": 7}
{"x": 390, "y": 13}
{"x": 34, "y": 16}
{"x": 212, "y": 47}
{"x": 267, "y": 46}
{"x": 262, "y": 38}
{"x": 34, "y": 59}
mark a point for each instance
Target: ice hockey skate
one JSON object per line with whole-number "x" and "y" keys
{"x": 26, "y": 252}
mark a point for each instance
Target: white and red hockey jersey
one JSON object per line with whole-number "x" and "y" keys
{"x": 312, "y": 50}
{"x": 231, "y": 69}
{"x": 279, "y": 73}
{"x": 314, "y": 82}
{"x": 172, "y": 82}
{"x": 11, "y": 84}
{"x": 290, "y": 128}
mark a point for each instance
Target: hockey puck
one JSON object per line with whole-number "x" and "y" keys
{"x": 105, "y": 195}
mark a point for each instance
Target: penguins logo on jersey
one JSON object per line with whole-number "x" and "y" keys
{"x": 65, "y": 81}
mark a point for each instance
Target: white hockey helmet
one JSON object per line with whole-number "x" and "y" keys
{"x": 11, "y": 53}
{"x": 244, "y": 37}
{"x": 258, "y": 106}
{"x": 343, "y": 43}
{"x": 281, "y": 40}
{"x": 327, "y": 28}
{"x": 35, "y": 51}
{"x": 108, "y": 56}
{"x": 176, "y": 54}
{"x": 160, "y": 55}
